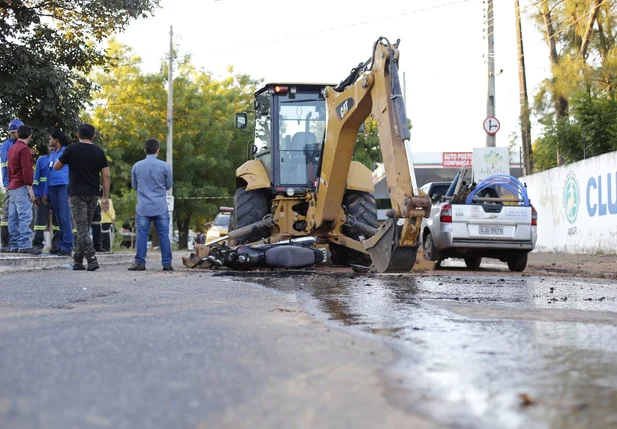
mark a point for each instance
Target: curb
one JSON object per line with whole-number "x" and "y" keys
{"x": 28, "y": 263}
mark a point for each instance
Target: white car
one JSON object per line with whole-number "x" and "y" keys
{"x": 491, "y": 226}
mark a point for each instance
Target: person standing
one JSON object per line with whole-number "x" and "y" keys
{"x": 41, "y": 209}
{"x": 87, "y": 166}
{"x": 21, "y": 193}
{"x": 108, "y": 219}
{"x": 4, "y": 167}
{"x": 151, "y": 178}
{"x": 57, "y": 193}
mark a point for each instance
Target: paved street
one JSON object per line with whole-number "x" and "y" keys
{"x": 182, "y": 350}
{"x": 192, "y": 349}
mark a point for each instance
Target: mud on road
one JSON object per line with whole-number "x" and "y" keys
{"x": 479, "y": 350}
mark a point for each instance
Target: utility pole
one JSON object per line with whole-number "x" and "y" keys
{"x": 522, "y": 81}
{"x": 490, "y": 101}
{"x": 170, "y": 128}
{"x": 405, "y": 93}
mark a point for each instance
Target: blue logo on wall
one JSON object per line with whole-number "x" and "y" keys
{"x": 571, "y": 197}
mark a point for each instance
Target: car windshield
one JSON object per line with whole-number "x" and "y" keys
{"x": 222, "y": 220}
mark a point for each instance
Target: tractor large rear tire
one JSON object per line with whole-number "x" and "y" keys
{"x": 250, "y": 207}
{"x": 362, "y": 206}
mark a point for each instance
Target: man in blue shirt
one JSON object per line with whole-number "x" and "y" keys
{"x": 151, "y": 179}
{"x": 57, "y": 194}
{"x": 4, "y": 166}
{"x": 41, "y": 211}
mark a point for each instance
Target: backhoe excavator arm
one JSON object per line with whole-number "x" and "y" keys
{"x": 373, "y": 88}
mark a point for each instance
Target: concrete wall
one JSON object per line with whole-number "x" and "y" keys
{"x": 577, "y": 206}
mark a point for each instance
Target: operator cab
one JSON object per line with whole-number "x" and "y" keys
{"x": 290, "y": 128}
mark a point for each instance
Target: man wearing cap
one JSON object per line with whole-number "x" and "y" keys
{"x": 21, "y": 178}
{"x": 4, "y": 162}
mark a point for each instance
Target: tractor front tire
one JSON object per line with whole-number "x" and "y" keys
{"x": 250, "y": 207}
{"x": 362, "y": 206}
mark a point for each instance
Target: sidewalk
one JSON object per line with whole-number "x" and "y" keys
{"x": 16, "y": 262}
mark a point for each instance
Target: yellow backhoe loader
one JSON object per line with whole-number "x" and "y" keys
{"x": 302, "y": 181}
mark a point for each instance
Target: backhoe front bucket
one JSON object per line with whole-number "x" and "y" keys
{"x": 386, "y": 254}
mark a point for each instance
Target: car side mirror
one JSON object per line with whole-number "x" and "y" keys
{"x": 241, "y": 120}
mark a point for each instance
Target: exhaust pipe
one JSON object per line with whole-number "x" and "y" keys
{"x": 244, "y": 231}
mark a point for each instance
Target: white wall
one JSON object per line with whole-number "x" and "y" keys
{"x": 577, "y": 206}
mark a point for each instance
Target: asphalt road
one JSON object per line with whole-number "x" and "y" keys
{"x": 182, "y": 350}
{"x": 491, "y": 350}
{"x": 192, "y": 350}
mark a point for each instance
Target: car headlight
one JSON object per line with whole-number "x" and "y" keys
{"x": 214, "y": 234}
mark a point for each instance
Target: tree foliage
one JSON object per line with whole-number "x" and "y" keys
{"x": 47, "y": 49}
{"x": 367, "y": 150}
{"x": 131, "y": 106}
{"x": 577, "y": 104}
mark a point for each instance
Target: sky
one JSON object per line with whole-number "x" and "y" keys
{"x": 443, "y": 53}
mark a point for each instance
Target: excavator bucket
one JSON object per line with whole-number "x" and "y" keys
{"x": 386, "y": 254}
{"x": 423, "y": 264}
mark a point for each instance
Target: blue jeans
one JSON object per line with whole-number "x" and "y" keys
{"x": 59, "y": 197}
{"x": 20, "y": 217}
{"x": 161, "y": 223}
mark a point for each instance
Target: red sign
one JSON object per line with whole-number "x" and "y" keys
{"x": 456, "y": 159}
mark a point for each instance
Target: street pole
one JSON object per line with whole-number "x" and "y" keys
{"x": 405, "y": 93}
{"x": 170, "y": 128}
{"x": 522, "y": 81}
{"x": 490, "y": 101}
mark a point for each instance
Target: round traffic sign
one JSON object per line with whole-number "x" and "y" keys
{"x": 491, "y": 125}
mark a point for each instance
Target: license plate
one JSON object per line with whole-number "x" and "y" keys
{"x": 491, "y": 230}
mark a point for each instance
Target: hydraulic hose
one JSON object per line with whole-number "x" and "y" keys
{"x": 509, "y": 183}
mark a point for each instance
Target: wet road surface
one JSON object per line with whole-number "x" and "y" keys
{"x": 481, "y": 351}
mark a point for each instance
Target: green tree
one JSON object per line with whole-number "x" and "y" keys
{"x": 367, "y": 150}
{"x": 47, "y": 49}
{"x": 132, "y": 106}
{"x": 367, "y": 145}
{"x": 577, "y": 104}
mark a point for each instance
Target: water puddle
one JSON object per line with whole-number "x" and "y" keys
{"x": 482, "y": 352}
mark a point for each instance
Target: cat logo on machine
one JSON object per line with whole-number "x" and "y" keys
{"x": 344, "y": 107}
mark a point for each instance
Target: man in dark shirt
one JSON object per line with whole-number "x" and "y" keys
{"x": 21, "y": 193}
{"x": 87, "y": 164}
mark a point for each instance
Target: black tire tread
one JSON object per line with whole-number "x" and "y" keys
{"x": 428, "y": 239}
{"x": 363, "y": 207}
{"x": 251, "y": 207}
{"x": 518, "y": 263}
{"x": 473, "y": 262}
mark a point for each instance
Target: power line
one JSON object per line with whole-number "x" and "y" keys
{"x": 343, "y": 27}
{"x": 296, "y": 36}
